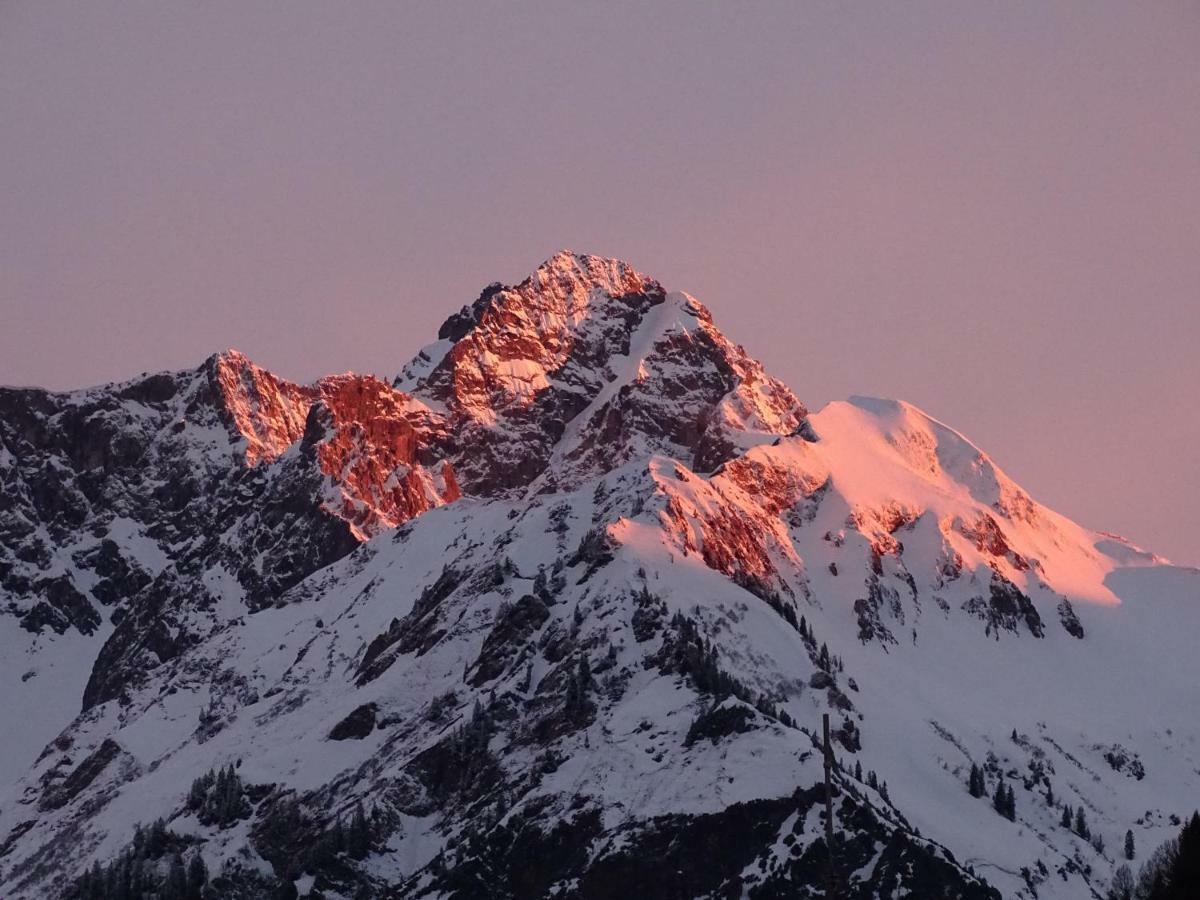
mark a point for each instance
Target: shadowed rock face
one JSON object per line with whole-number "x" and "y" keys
{"x": 127, "y": 496}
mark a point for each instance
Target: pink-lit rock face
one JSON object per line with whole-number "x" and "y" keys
{"x": 591, "y": 364}
{"x": 581, "y": 368}
{"x": 357, "y": 426}
{"x": 372, "y": 454}
{"x": 268, "y": 412}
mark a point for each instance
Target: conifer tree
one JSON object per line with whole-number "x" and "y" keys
{"x": 197, "y": 874}
{"x": 358, "y": 835}
{"x": 1122, "y": 884}
{"x": 585, "y": 674}
{"x": 1129, "y": 849}
{"x": 91, "y": 885}
{"x": 1185, "y": 874}
{"x": 1066, "y": 816}
{"x": 156, "y": 839}
{"x": 1081, "y": 825}
{"x": 176, "y": 886}
{"x": 976, "y": 785}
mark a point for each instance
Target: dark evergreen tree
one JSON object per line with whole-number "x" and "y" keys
{"x": 823, "y": 658}
{"x": 199, "y": 791}
{"x": 93, "y": 883}
{"x": 1155, "y": 877}
{"x": 197, "y": 875}
{"x": 1081, "y": 825}
{"x": 1129, "y": 849}
{"x": 976, "y": 785}
{"x": 156, "y": 839}
{"x": 217, "y": 797}
{"x": 1122, "y": 886}
{"x": 858, "y": 773}
{"x": 585, "y": 674}
{"x": 1066, "y": 816}
{"x": 1000, "y": 797}
{"x": 1185, "y": 874}
{"x": 577, "y": 706}
{"x": 176, "y": 885}
{"x": 358, "y": 834}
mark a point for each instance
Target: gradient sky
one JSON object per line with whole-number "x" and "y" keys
{"x": 991, "y": 210}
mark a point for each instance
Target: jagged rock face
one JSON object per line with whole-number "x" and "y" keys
{"x": 372, "y": 453}
{"x": 593, "y": 344}
{"x": 694, "y": 396}
{"x": 526, "y": 360}
{"x": 98, "y": 483}
{"x": 603, "y": 662}
{"x": 104, "y": 488}
{"x": 268, "y": 412}
{"x": 165, "y": 497}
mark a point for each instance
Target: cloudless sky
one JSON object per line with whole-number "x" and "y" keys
{"x": 989, "y": 209}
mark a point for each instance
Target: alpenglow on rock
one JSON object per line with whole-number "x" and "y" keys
{"x": 558, "y": 612}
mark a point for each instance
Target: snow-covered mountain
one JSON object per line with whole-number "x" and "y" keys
{"x": 557, "y": 613}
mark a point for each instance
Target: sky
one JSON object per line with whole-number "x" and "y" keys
{"x": 989, "y": 210}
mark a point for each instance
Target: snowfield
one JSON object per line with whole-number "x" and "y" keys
{"x": 605, "y": 656}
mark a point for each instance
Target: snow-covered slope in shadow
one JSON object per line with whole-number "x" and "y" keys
{"x": 606, "y": 663}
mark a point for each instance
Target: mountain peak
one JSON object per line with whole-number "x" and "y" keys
{"x": 267, "y": 411}
{"x": 667, "y": 575}
{"x": 569, "y": 281}
{"x": 611, "y": 277}
{"x": 931, "y": 446}
{"x": 591, "y": 360}
{"x": 229, "y": 356}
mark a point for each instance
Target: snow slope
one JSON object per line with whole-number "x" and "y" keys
{"x": 613, "y": 652}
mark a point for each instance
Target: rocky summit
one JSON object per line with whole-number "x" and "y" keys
{"x": 557, "y": 612}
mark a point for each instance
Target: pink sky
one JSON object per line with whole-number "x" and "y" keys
{"x": 989, "y": 210}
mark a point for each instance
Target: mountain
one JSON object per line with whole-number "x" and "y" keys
{"x": 558, "y": 612}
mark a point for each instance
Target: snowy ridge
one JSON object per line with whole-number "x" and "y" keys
{"x": 607, "y": 653}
